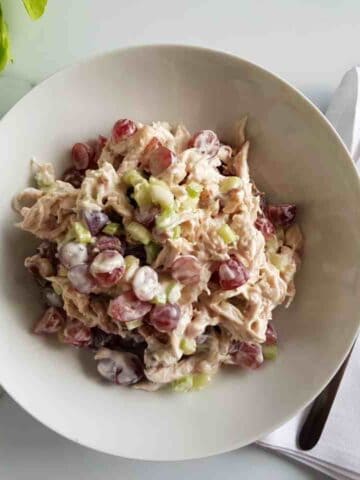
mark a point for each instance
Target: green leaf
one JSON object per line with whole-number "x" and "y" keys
{"x": 5, "y": 55}
{"x": 35, "y": 8}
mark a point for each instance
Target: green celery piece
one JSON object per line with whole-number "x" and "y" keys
{"x": 35, "y": 8}
{"x": 176, "y": 233}
{"x": 133, "y": 324}
{"x": 152, "y": 250}
{"x": 194, "y": 189}
{"x": 82, "y": 234}
{"x": 229, "y": 183}
{"x": 141, "y": 194}
{"x": 183, "y": 384}
{"x": 173, "y": 292}
{"x": 200, "y": 380}
{"x": 269, "y": 352}
{"x": 133, "y": 177}
{"x": 138, "y": 233}
{"x": 5, "y": 52}
{"x": 112, "y": 229}
{"x": 159, "y": 299}
{"x": 161, "y": 196}
{"x": 188, "y": 346}
{"x": 227, "y": 234}
{"x": 167, "y": 219}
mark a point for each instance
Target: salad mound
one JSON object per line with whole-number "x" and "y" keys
{"x": 159, "y": 253}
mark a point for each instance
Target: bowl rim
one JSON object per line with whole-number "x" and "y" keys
{"x": 346, "y": 158}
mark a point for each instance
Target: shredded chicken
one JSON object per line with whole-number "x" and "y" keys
{"x": 52, "y": 212}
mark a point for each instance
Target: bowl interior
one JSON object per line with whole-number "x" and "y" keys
{"x": 295, "y": 156}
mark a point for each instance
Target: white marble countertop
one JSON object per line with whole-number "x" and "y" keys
{"x": 309, "y": 43}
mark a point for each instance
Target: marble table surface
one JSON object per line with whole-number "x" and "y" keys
{"x": 309, "y": 43}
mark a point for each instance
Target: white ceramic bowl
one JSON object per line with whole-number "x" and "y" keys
{"x": 295, "y": 156}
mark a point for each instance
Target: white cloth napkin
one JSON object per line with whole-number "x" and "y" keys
{"x": 337, "y": 452}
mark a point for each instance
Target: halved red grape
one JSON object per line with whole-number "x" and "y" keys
{"x": 123, "y": 129}
{"x": 186, "y": 270}
{"x": 127, "y": 307}
{"x": 206, "y": 141}
{"x": 146, "y": 216}
{"x": 95, "y": 220}
{"x": 271, "y": 335}
{"x": 232, "y": 274}
{"x": 51, "y": 321}
{"x": 150, "y": 148}
{"x": 107, "y": 268}
{"x": 81, "y": 155}
{"x": 165, "y": 317}
{"x": 76, "y": 333}
{"x": 81, "y": 279}
{"x": 122, "y": 368}
{"x": 281, "y": 215}
{"x": 73, "y": 253}
{"x": 108, "y": 242}
{"x": 160, "y": 159}
{"x": 248, "y": 355}
{"x": 145, "y": 283}
{"x": 74, "y": 177}
{"x": 265, "y": 226}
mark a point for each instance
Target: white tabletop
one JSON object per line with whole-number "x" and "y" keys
{"x": 309, "y": 43}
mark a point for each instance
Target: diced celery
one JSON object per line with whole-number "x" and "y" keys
{"x": 189, "y": 204}
{"x": 112, "y": 229}
{"x": 43, "y": 181}
{"x": 173, "y": 292}
{"x": 133, "y": 324}
{"x": 156, "y": 181}
{"x": 183, "y": 384}
{"x": 43, "y": 174}
{"x": 176, "y": 233}
{"x": 159, "y": 299}
{"x": 161, "y": 196}
{"x": 194, "y": 189}
{"x": 227, "y": 234}
{"x": 188, "y": 345}
{"x": 139, "y": 233}
{"x": 57, "y": 289}
{"x": 131, "y": 265}
{"x": 141, "y": 194}
{"x": 229, "y": 183}
{"x": 200, "y": 380}
{"x": 132, "y": 177}
{"x": 131, "y": 261}
{"x": 82, "y": 234}
{"x": 269, "y": 352}
{"x": 167, "y": 219}
{"x": 279, "y": 261}
{"x": 152, "y": 250}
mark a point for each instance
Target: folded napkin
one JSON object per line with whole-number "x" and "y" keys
{"x": 337, "y": 453}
